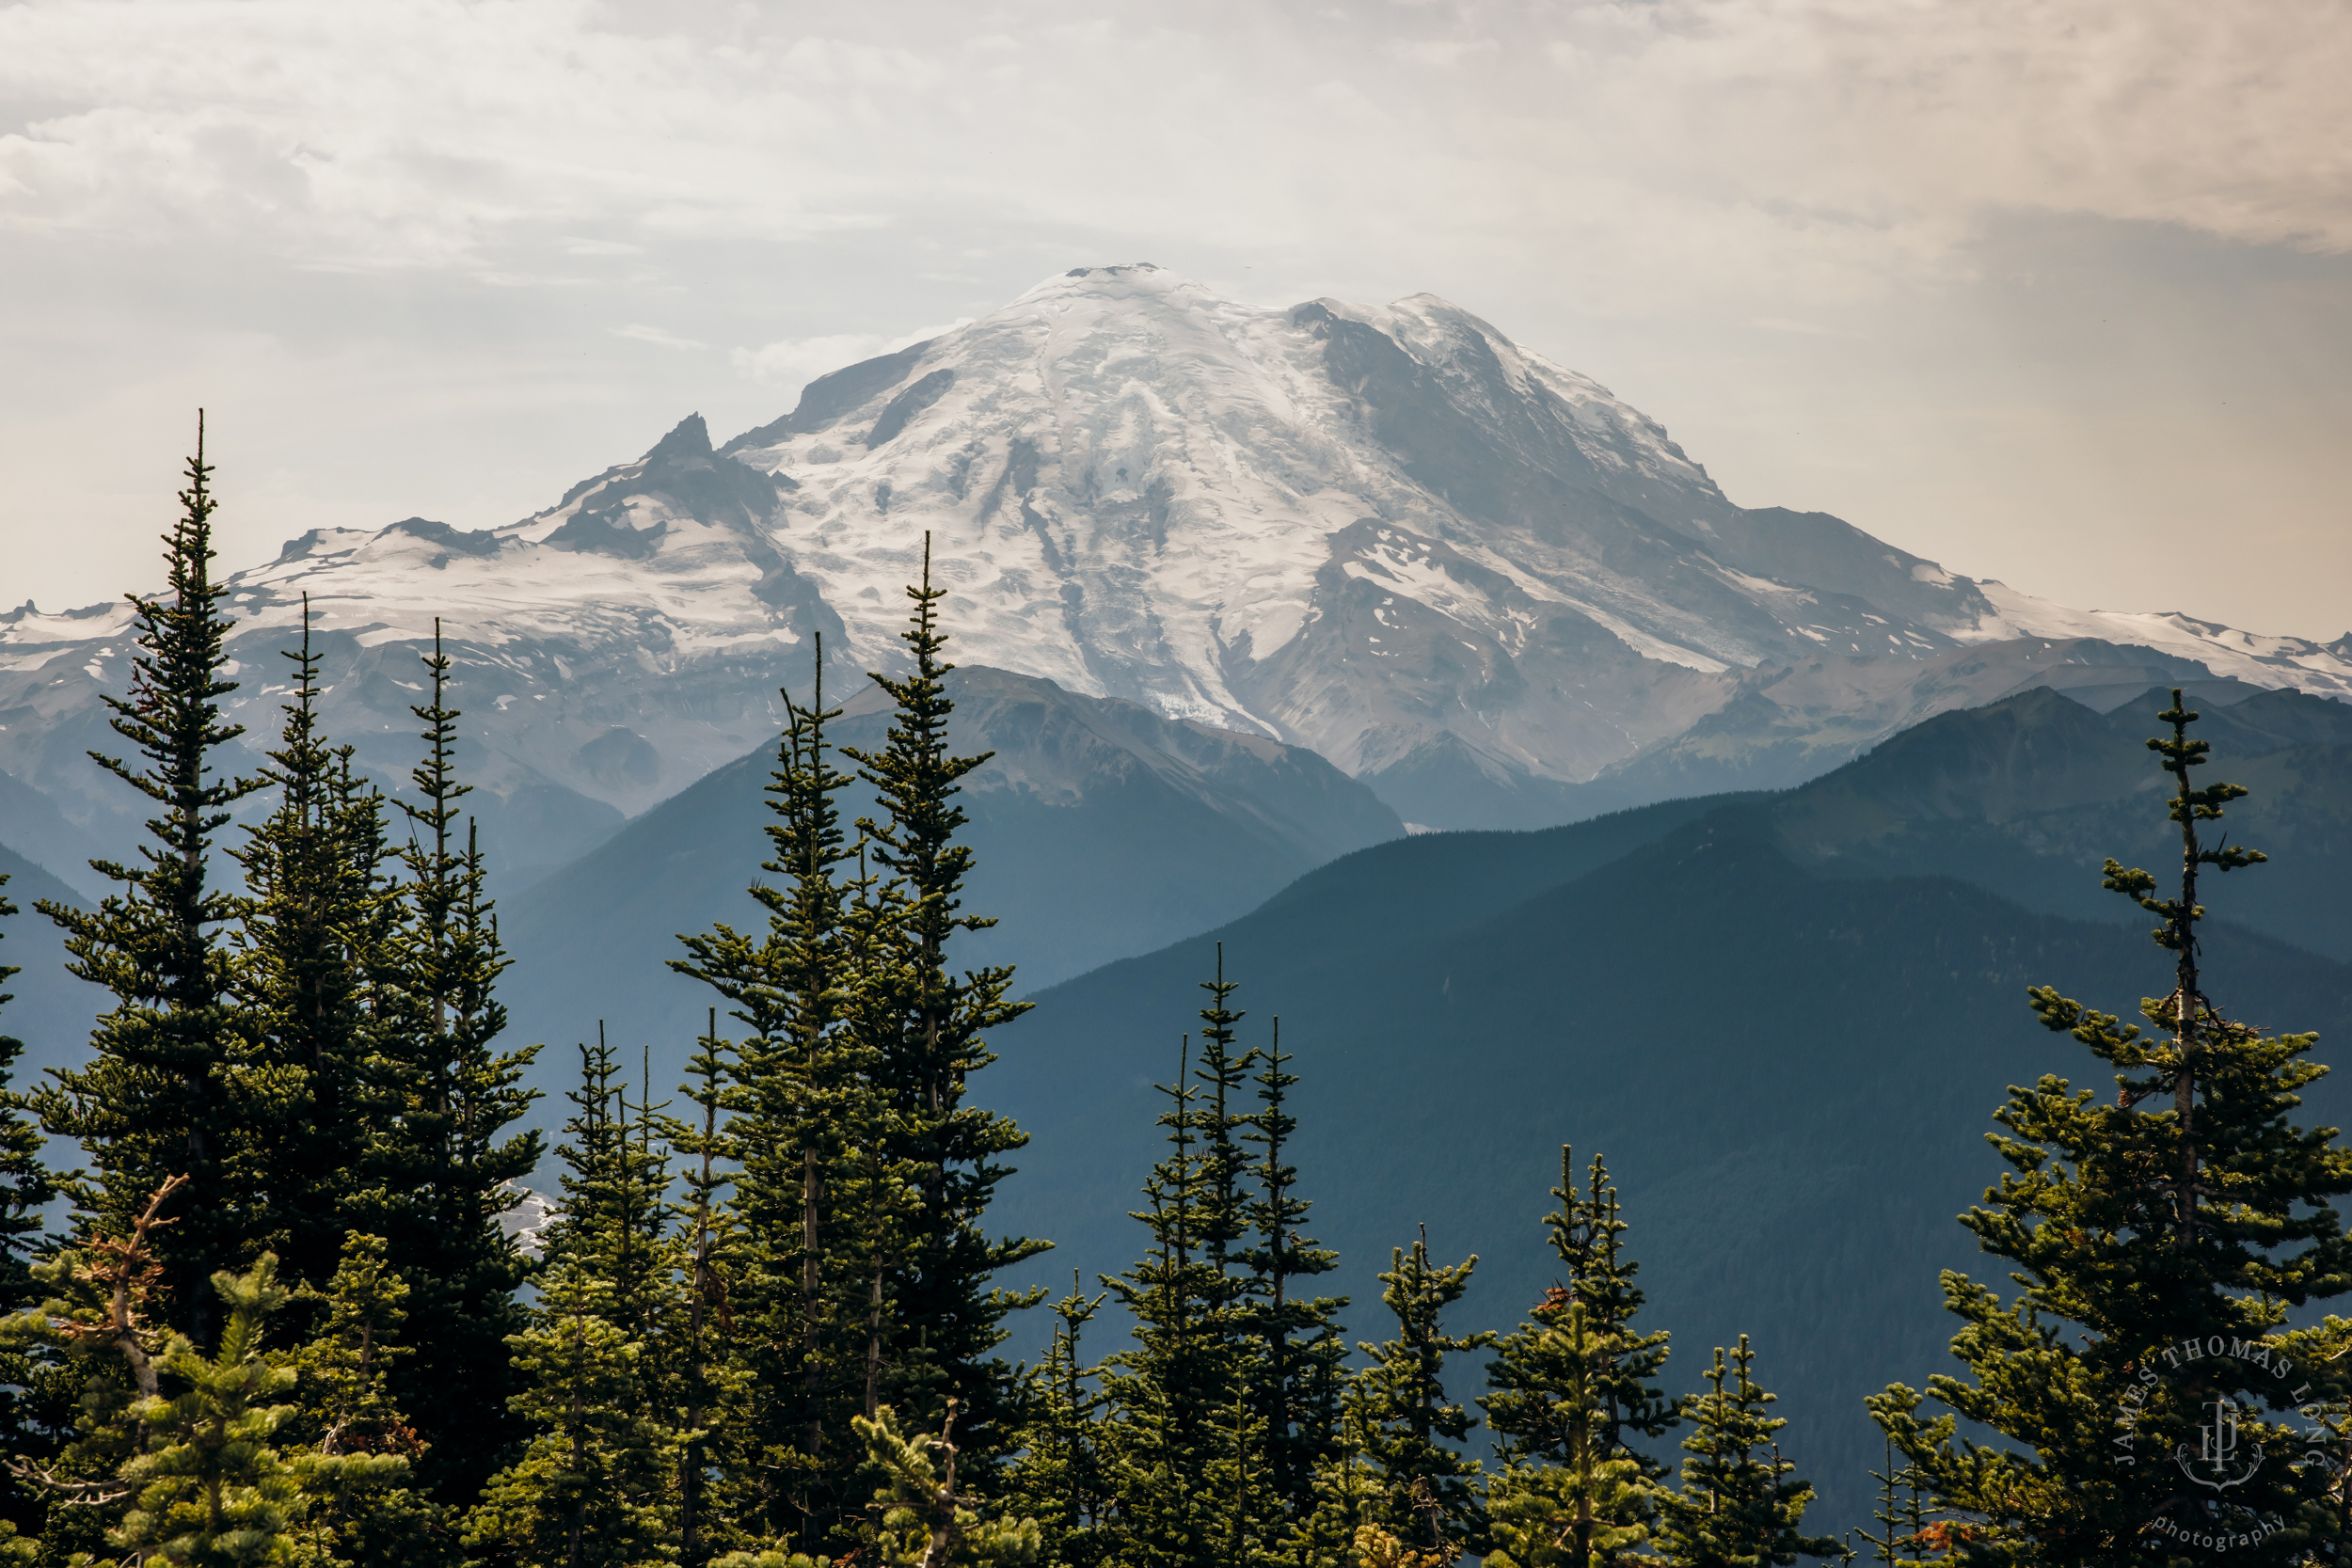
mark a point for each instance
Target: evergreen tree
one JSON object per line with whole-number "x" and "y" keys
{"x": 713, "y": 1385}
{"x": 37, "y": 1392}
{"x": 1588, "y": 1504}
{"x": 212, "y": 1486}
{"x": 1738, "y": 1506}
{"x": 1544, "y": 1394}
{"x": 444, "y": 1170}
{"x": 595, "y": 1488}
{"x": 28, "y": 1186}
{"x": 592, "y": 1488}
{"x": 1570, "y": 1388}
{"x": 804, "y": 1101}
{"x": 925, "y": 1026}
{"x": 1905, "y": 1512}
{"x": 1427, "y": 1494}
{"x": 927, "y": 1522}
{"x": 1173, "y": 1389}
{"x": 313, "y": 892}
{"x": 1299, "y": 1346}
{"x": 96, "y": 1316}
{"x": 1061, "y": 1478}
{"x": 2160, "y": 1251}
{"x": 363, "y": 1517}
{"x": 170, "y": 1081}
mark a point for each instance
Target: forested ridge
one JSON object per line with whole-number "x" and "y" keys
{"x": 281, "y": 1312}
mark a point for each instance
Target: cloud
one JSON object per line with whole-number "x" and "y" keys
{"x": 794, "y": 363}
{"x": 655, "y": 336}
{"x": 1814, "y": 145}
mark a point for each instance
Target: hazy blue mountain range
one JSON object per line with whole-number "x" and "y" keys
{"x": 1101, "y": 828}
{"x": 1789, "y": 1058}
{"x": 1242, "y": 593}
{"x": 1388, "y": 535}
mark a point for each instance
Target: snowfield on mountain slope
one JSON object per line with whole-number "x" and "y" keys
{"x": 1385, "y": 534}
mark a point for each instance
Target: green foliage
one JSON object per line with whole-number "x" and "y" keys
{"x": 1585, "y": 1512}
{"x": 313, "y": 914}
{"x": 1299, "y": 1351}
{"x": 1587, "y": 1498}
{"x": 1062, "y": 1477}
{"x": 810, "y": 1128}
{"x": 712, "y": 1385}
{"x": 926, "y": 1521}
{"x": 1549, "y": 1391}
{"x": 596, "y": 1483}
{"x": 210, "y": 1487}
{"x": 1425, "y": 1489}
{"x": 1739, "y": 1505}
{"x": 28, "y": 1186}
{"x": 172, "y": 1079}
{"x": 2141, "y": 1238}
{"x": 592, "y": 1488}
{"x": 925, "y": 1026}
{"x": 356, "y": 1447}
{"x": 1188, "y": 1447}
{"x": 443, "y": 1165}
{"x": 1226, "y": 1399}
{"x": 36, "y": 1392}
{"x": 1568, "y": 1391}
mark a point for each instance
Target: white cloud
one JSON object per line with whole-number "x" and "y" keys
{"x": 1821, "y": 144}
{"x": 795, "y": 362}
{"x": 655, "y": 336}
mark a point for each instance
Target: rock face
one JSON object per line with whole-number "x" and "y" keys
{"x": 1463, "y": 572}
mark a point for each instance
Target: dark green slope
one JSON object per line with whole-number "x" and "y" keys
{"x": 1790, "y": 1075}
{"x": 2027, "y": 796}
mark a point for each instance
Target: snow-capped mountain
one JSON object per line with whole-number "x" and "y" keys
{"x": 1390, "y": 534}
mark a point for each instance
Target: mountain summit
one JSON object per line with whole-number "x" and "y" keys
{"x": 1390, "y": 534}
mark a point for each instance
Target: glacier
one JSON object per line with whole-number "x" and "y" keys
{"x": 1390, "y": 534}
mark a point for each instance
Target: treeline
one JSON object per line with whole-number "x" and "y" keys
{"x": 763, "y": 1328}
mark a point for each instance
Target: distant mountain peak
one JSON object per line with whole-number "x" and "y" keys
{"x": 689, "y": 438}
{"x": 1390, "y": 533}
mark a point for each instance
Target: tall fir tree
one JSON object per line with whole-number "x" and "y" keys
{"x": 171, "y": 1081}
{"x": 444, "y": 1171}
{"x": 1528, "y": 1408}
{"x": 714, "y": 1386}
{"x": 359, "y": 1515}
{"x": 1173, "y": 1387}
{"x": 803, "y": 1104}
{"x": 596, "y": 1485}
{"x": 313, "y": 899}
{"x": 592, "y": 1487}
{"x": 2161, "y": 1243}
{"x": 1583, "y": 1503}
{"x": 1409, "y": 1429}
{"x": 927, "y": 1026}
{"x": 1299, "y": 1348}
{"x": 1740, "y": 1504}
{"x": 1572, "y": 1387}
{"x": 1062, "y": 1478}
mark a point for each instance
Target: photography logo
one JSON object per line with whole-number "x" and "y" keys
{"x": 2223, "y": 1451}
{"x": 2220, "y": 1460}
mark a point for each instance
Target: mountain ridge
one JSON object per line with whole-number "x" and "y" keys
{"x": 1385, "y": 534}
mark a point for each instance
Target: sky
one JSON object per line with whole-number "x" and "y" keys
{"x": 2057, "y": 292}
